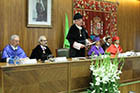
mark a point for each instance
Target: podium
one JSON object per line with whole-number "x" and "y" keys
{"x": 62, "y": 77}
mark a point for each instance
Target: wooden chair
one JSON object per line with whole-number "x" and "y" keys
{"x": 0, "y": 55}
{"x": 62, "y": 52}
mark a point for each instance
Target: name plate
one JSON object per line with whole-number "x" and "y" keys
{"x": 60, "y": 59}
{"x": 29, "y": 61}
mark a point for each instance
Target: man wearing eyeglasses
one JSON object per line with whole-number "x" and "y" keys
{"x": 41, "y": 51}
{"x": 13, "y": 49}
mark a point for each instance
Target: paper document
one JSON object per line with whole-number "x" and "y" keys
{"x": 90, "y": 44}
{"x": 77, "y": 45}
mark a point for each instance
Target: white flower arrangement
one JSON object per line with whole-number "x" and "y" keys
{"x": 105, "y": 75}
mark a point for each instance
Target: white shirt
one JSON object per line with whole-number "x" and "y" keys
{"x": 107, "y": 43}
{"x": 43, "y": 48}
{"x": 14, "y": 48}
{"x": 116, "y": 45}
{"x": 79, "y": 27}
{"x": 97, "y": 47}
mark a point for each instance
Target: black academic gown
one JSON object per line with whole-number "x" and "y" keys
{"x": 74, "y": 36}
{"x": 37, "y": 53}
{"x": 105, "y": 46}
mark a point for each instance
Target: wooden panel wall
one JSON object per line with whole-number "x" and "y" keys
{"x": 133, "y": 87}
{"x": 128, "y": 23}
{"x": 13, "y": 20}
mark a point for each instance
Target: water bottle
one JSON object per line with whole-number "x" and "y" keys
{"x": 11, "y": 61}
{"x": 16, "y": 60}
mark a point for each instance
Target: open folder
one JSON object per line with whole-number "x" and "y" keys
{"x": 77, "y": 45}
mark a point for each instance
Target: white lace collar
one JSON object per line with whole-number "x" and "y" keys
{"x": 79, "y": 27}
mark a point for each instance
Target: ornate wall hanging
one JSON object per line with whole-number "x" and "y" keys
{"x": 100, "y": 17}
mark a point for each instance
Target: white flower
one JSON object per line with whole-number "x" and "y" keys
{"x": 91, "y": 84}
{"x": 119, "y": 72}
{"x": 113, "y": 80}
{"x": 91, "y": 67}
{"x": 117, "y": 77}
{"x": 105, "y": 78}
{"x": 97, "y": 83}
{"x": 93, "y": 91}
{"x": 101, "y": 89}
{"x": 114, "y": 85}
{"x": 98, "y": 79}
{"x": 105, "y": 72}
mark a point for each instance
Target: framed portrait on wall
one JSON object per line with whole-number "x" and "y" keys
{"x": 39, "y": 13}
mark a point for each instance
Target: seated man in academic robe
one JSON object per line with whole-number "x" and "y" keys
{"x": 97, "y": 49}
{"x": 41, "y": 51}
{"x": 115, "y": 47}
{"x": 107, "y": 43}
{"x": 13, "y": 50}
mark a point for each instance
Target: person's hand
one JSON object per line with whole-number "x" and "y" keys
{"x": 88, "y": 42}
{"x": 118, "y": 51}
{"x": 88, "y": 47}
{"x": 82, "y": 46}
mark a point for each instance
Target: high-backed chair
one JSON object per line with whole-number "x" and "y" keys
{"x": 0, "y": 55}
{"x": 62, "y": 52}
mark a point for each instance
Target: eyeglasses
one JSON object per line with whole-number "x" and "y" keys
{"x": 16, "y": 40}
{"x": 44, "y": 40}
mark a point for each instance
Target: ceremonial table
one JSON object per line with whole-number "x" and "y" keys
{"x": 61, "y": 77}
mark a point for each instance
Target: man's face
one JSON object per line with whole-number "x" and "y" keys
{"x": 117, "y": 42}
{"x": 79, "y": 22}
{"x": 15, "y": 42}
{"x": 43, "y": 42}
{"x": 109, "y": 41}
{"x": 97, "y": 43}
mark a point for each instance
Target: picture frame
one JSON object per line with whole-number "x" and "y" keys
{"x": 39, "y": 13}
